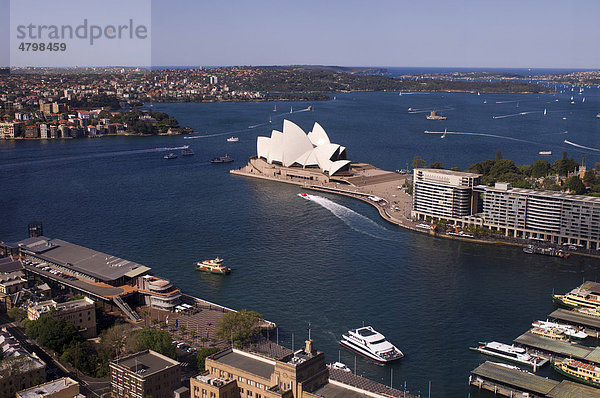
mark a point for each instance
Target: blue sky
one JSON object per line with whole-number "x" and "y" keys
{"x": 553, "y": 34}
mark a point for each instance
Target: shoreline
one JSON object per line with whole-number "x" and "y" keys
{"x": 403, "y": 220}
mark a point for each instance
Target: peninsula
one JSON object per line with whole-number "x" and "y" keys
{"x": 444, "y": 203}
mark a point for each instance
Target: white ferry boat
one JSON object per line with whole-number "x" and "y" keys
{"x": 371, "y": 344}
{"x": 510, "y": 353}
{"x": 566, "y": 329}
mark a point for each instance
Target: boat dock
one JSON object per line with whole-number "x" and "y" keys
{"x": 554, "y": 349}
{"x": 589, "y": 322}
{"x": 509, "y": 382}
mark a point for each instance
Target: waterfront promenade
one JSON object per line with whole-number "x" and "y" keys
{"x": 386, "y": 192}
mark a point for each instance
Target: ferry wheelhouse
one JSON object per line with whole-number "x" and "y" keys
{"x": 580, "y": 371}
{"x": 587, "y": 296}
{"x": 371, "y": 344}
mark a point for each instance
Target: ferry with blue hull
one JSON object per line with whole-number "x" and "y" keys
{"x": 371, "y": 344}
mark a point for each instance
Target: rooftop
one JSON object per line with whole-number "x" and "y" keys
{"x": 8, "y": 265}
{"x": 576, "y": 318}
{"x": 549, "y": 194}
{"x": 51, "y": 387}
{"x": 87, "y": 261}
{"x": 247, "y": 362}
{"x": 515, "y": 378}
{"x": 145, "y": 363}
{"x": 449, "y": 172}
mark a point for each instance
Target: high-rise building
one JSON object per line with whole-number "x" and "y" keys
{"x": 444, "y": 194}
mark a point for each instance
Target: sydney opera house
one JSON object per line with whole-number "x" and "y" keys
{"x": 293, "y": 148}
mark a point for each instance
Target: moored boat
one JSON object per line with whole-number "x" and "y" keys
{"x": 214, "y": 266}
{"x": 566, "y": 329}
{"x": 170, "y": 156}
{"x": 585, "y": 296}
{"x": 550, "y": 333}
{"x": 339, "y": 366}
{"x": 582, "y": 372}
{"x": 510, "y": 353}
{"x": 371, "y": 344}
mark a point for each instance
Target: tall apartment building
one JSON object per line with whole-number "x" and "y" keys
{"x": 81, "y": 313}
{"x": 143, "y": 374}
{"x": 443, "y": 194}
{"x": 552, "y": 216}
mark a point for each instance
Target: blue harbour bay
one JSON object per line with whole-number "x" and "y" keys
{"x": 334, "y": 263}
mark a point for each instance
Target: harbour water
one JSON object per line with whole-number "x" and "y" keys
{"x": 330, "y": 261}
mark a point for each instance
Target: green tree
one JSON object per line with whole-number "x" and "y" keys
{"x": 201, "y": 356}
{"x": 418, "y": 162}
{"x": 540, "y": 168}
{"x": 590, "y": 179}
{"x": 575, "y": 185}
{"x": 436, "y": 165}
{"x": 83, "y": 357}
{"x": 55, "y": 334}
{"x": 156, "y": 340}
{"x": 16, "y": 314}
{"x": 564, "y": 166}
{"x": 241, "y": 326}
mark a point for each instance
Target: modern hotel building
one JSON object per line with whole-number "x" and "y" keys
{"x": 522, "y": 213}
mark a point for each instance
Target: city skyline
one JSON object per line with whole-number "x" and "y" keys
{"x": 405, "y": 34}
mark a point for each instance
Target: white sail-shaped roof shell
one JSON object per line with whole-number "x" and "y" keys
{"x": 295, "y": 143}
{"x": 293, "y": 147}
{"x": 318, "y": 136}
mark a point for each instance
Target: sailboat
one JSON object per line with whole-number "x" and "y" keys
{"x": 291, "y": 110}
{"x": 583, "y": 100}
{"x": 485, "y": 101}
{"x": 445, "y": 131}
{"x": 544, "y": 111}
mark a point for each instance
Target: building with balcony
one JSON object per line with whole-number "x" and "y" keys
{"x": 144, "y": 374}
{"x": 159, "y": 293}
{"x": 443, "y": 194}
{"x": 544, "y": 215}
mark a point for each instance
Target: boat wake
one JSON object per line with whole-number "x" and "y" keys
{"x": 444, "y": 133}
{"x": 253, "y": 126}
{"x": 354, "y": 220}
{"x": 96, "y": 155}
{"x": 581, "y": 146}
{"x": 516, "y": 114}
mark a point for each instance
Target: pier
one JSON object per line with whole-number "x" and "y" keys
{"x": 590, "y": 323}
{"x": 555, "y": 349}
{"x": 509, "y": 382}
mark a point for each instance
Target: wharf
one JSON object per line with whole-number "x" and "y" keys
{"x": 554, "y": 349}
{"x": 510, "y": 382}
{"x": 591, "y": 323}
